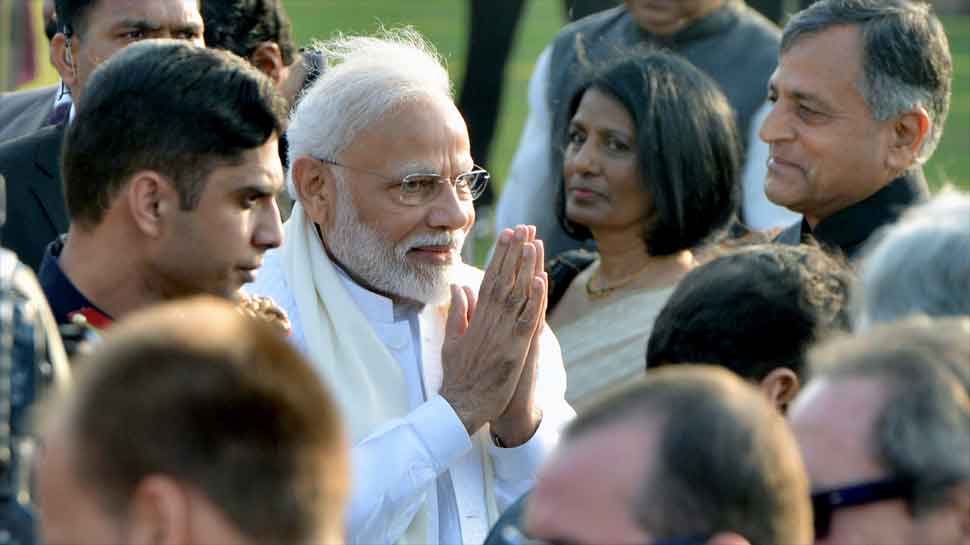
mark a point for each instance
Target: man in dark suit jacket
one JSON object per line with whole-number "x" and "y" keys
{"x": 24, "y": 112}
{"x": 36, "y": 213}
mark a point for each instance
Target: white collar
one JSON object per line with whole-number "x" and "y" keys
{"x": 374, "y": 306}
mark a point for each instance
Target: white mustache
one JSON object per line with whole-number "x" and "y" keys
{"x": 454, "y": 240}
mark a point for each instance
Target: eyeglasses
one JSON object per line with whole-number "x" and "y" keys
{"x": 422, "y": 188}
{"x": 513, "y": 536}
{"x": 826, "y": 502}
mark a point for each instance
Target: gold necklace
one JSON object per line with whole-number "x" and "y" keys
{"x": 595, "y": 293}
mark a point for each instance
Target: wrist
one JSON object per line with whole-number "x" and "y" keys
{"x": 511, "y": 431}
{"x": 468, "y": 415}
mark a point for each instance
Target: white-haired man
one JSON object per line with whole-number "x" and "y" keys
{"x": 919, "y": 265}
{"x": 451, "y": 384}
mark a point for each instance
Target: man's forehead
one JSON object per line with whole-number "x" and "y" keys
{"x": 833, "y": 420}
{"x": 160, "y": 12}
{"x": 826, "y": 61}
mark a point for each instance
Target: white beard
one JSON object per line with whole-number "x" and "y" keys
{"x": 385, "y": 268}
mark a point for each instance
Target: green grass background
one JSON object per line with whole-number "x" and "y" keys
{"x": 444, "y": 23}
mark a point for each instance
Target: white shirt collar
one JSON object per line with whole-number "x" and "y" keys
{"x": 376, "y": 307}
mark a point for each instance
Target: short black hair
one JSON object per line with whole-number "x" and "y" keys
{"x": 71, "y": 13}
{"x": 688, "y": 156}
{"x": 167, "y": 106}
{"x": 241, "y": 25}
{"x": 753, "y": 310}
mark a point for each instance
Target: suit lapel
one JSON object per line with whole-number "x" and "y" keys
{"x": 47, "y": 186}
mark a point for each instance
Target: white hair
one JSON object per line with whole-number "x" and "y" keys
{"x": 920, "y": 265}
{"x": 367, "y": 77}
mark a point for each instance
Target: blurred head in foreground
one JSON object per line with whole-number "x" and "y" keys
{"x": 193, "y": 423}
{"x": 884, "y": 428}
{"x": 920, "y": 265}
{"x": 688, "y": 453}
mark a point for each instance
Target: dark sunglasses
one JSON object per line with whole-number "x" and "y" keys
{"x": 826, "y": 502}
{"x": 511, "y": 535}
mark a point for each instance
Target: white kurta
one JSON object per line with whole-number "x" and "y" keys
{"x": 427, "y": 459}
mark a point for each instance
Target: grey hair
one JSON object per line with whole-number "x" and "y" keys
{"x": 367, "y": 77}
{"x": 922, "y": 432}
{"x": 905, "y": 58}
{"x": 920, "y": 265}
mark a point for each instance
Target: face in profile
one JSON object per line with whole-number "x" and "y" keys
{"x": 600, "y": 171}
{"x": 217, "y": 246}
{"x": 827, "y": 151}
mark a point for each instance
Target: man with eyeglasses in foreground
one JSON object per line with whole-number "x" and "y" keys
{"x": 450, "y": 383}
{"x": 884, "y": 429}
{"x": 688, "y": 455}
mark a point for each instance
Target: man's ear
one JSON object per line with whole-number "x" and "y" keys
{"x": 910, "y": 130}
{"x": 315, "y": 185}
{"x": 159, "y": 513}
{"x": 64, "y": 60}
{"x": 151, "y": 199}
{"x": 727, "y": 538}
{"x": 268, "y": 59}
{"x": 780, "y": 386}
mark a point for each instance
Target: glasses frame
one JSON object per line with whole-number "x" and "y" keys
{"x": 476, "y": 193}
{"x": 827, "y": 501}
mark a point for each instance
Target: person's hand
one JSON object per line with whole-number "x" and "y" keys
{"x": 486, "y": 341}
{"x": 521, "y": 417}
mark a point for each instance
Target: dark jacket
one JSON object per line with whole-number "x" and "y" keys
{"x": 36, "y": 211}
{"x": 24, "y": 112}
{"x": 848, "y": 229}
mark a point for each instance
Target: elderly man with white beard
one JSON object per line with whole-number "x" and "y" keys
{"x": 450, "y": 382}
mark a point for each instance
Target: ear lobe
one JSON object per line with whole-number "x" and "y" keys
{"x": 159, "y": 513}
{"x": 909, "y": 132}
{"x": 150, "y": 199}
{"x": 268, "y": 59}
{"x": 314, "y": 183}
{"x": 781, "y": 385}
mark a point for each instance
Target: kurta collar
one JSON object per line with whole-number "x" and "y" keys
{"x": 374, "y": 306}
{"x": 849, "y": 228}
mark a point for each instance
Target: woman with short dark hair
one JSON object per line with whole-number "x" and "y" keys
{"x": 650, "y": 173}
